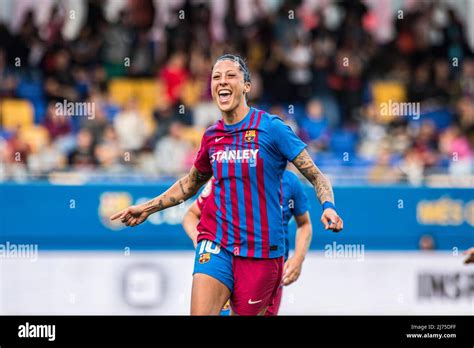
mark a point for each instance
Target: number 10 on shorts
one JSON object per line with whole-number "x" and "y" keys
{"x": 209, "y": 247}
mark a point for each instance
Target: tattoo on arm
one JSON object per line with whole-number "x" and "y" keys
{"x": 197, "y": 179}
{"x": 155, "y": 204}
{"x": 182, "y": 190}
{"x": 306, "y": 166}
{"x": 181, "y": 185}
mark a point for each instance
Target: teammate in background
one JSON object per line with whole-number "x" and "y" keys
{"x": 295, "y": 203}
{"x": 241, "y": 240}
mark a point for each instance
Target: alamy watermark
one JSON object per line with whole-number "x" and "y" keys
{"x": 19, "y": 251}
{"x": 344, "y": 251}
{"x": 393, "y": 108}
{"x": 77, "y": 109}
{"x": 28, "y": 330}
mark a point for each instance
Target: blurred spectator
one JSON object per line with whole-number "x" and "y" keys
{"x": 443, "y": 86}
{"x": 455, "y": 42}
{"x": 413, "y": 167}
{"x": 426, "y": 143}
{"x": 56, "y": 124}
{"x": 174, "y": 75}
{"x": 116, "y": 46}
{"x": 98, "y": 122}
{"x": 315, "y": 126}
{"x": 17, "y": 150}
{"x": 197, "y": 87}
{"x": 142, "y": 56}
{"x": 82, "y": 157}
{"x": 165, "y": 116}
{"x": 346, "y": 81}
{"x": 298, "y": 60}
{"x": 15, "y": 154}
{"x": 20, "y": 47}
{"x": 48, "y": 158}
{"x": 456, "y": 147}
{"x": 60, "y": 84}
{"x": 51, "y": 32}
{"x": 465, "y": 108}
{"x": 108, "y": 151}
{"x": 427, "y": 242}
{"x": 171, "y": 152}
{"x": 85, "y": 49}
{"x": 130, "y": 127}
{"x": 383, "y": 172}
{"x": 331, "y": 56}
{"x": 421, "y": 88}
{"x": 8, "y": 80}
{"x": 398, "y": 137}
{"x": 371, "y": 132}
{"x": 466, "y": 79}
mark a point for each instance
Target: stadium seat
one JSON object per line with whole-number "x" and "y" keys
{"x": 33, "y": 91}
{"x": 146, "y": 89}
{"x": 192, "y": 134}
{"x": 16, "y": 113}
{"x": 385, "y": 91}
{"x": 147, "y": 92}
{"x": 30, "y": 90}
{"x": 327, "y": 159}
{"x": 5, "y": 134}
{"x": 343, "y": 141}
{"x": 121, "y": 90}
{"x": 442, "y": 118}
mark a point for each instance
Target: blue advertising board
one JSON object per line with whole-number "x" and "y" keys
{"x": 380, "y": 218}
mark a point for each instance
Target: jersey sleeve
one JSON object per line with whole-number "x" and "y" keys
{"x": 202, "y": 161}
{"x": 200, "y": 203}
{"x": 287, "y": 142}
{"x": 300, "y": 198}
{"x": 205, "y": 194}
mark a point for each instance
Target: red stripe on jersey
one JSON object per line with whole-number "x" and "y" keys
{"x": 248, "y": 201}
{"x": 235, "y": 203}
{"x": 262, "y": 199}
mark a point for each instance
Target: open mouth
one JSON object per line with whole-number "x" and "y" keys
{"x": 224, "y": 95}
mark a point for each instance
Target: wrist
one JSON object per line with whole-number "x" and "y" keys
{"x": 145, "y": 209}
{"x": 328, "y": 205}
{"x": 299, "y": 257}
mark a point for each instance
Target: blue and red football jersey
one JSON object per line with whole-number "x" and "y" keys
{"x": 247, "y": 159}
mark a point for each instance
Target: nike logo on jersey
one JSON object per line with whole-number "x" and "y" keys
{"x": 254, "y": 302}
{"x": 218, "y": 139}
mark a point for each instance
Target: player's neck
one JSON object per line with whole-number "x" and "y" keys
{"x": 236, "y": 115}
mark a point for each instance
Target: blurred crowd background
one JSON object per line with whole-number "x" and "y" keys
{"x": 329, "y": 68}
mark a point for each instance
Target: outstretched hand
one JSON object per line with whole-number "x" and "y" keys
{"x": 132, "y": 216}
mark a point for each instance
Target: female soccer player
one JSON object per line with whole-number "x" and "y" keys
{"x": 241, "y": 239}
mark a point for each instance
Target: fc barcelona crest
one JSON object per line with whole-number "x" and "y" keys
{"x": 250, "y": 135}
{"x": 203, "y": 258}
